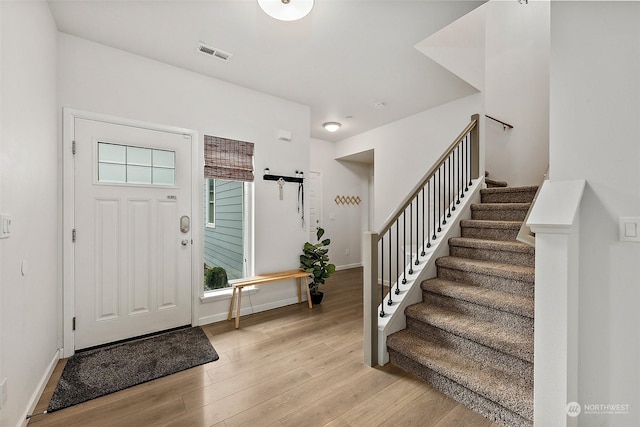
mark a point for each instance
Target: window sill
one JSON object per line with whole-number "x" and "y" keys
{"x": 222, "y": 295}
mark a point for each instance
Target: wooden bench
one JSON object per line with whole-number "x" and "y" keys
{"x": 238, "y": 284}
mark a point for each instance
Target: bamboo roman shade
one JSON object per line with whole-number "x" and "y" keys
{"x": 228, "y": 159}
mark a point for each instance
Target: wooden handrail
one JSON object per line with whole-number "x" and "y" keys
{"x": 473, "y": 125}
{"x": 505, "y": 125}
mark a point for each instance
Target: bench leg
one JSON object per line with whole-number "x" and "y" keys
{"x": 308, "y": 294}
{"x": 238, "y": 308}
{"x": 299, "y": 290}
{"x": 233, "y": 299}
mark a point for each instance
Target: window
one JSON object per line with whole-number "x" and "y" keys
{"x": 210, "y": 203}
{"x": 123, "y": 164}
{"x": 228, "y": 174}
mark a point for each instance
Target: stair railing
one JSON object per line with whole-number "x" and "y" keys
{"x": 391, "y": 254}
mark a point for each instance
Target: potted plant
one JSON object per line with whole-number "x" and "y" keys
{"x": 215, "y": 278}
{"x": 315, "y": 261}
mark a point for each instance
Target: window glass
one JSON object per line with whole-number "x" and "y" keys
{"x": 112, "y": 173}
{"x": 164, "y": 176}
{"x": 138, "y": 174}
{"x": 112, "y": 153}
{"x": 138, "y": 156}
{"x": 135, "y": 165}
{"x": 163, "y": 158}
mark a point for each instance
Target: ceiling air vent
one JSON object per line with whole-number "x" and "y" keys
{"x": 214, "y": 52}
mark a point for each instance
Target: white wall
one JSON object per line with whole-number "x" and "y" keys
{"x": 595, "y": 111}
{"x": 517, "y": 90}
{"x": 29, "y": 192}
{"x": 100, "y": 79}
{"x": 344, "y": 224}
{"x": 405, "y": 150}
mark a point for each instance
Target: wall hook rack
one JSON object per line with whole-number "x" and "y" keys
{"x": 269, "y": 177}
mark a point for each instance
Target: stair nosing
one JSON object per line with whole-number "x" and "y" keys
{"x": 490, "y": 223}
{"x": 488, "y": 206}
{"x": 520, "y": 189}
{"x": 503, "y": 245}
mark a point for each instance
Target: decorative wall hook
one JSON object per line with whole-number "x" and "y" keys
{"x": 347, "y": 200}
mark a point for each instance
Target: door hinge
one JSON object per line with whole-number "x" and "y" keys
{"x": 73, "y": 147}
{"x": 73, "y": 324}
{"x": 73, "y": 235}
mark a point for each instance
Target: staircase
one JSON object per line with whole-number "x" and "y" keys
{"x": 472, "y": 335}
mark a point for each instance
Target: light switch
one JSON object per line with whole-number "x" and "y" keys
{"x": 5, "y": 226}
{"x": 629, "y": 229}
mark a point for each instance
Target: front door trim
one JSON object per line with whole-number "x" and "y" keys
{"x": 68, "y": 213}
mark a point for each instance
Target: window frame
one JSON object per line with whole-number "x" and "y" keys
{"x": 209, "y": 183}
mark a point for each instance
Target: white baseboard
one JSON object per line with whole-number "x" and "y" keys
{"x": 250, "y": 310}
{"x": 35, "y": 397}
{"x": 348, "y": 266}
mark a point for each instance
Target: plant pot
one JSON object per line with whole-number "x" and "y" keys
{"x": 317, "y": 298}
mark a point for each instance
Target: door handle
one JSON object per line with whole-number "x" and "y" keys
{"x": 185, "y": 242}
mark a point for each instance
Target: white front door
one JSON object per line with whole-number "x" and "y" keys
{"x": 133, "y": 247}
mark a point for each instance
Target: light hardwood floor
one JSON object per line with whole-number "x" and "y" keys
{"x": 286, "y": 367}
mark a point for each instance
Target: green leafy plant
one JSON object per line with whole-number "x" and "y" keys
{"x": 315, "y": 261}
{"x": 215, "y": 278}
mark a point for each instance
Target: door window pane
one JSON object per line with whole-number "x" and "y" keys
{"x": 125, "y": 164}
{"x": 164, "y": 159}
{"x": 138, "y": 174}
{"x": 138, "y": 156}
{"x": 164, "y": 176}
{"x": 108, "y": 172}
{"x": 112, "y": 153}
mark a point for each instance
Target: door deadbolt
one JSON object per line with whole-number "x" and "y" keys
{"x": 184, "y": 224}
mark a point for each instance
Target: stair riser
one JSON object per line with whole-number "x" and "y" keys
{"x": 504, "y": 234}
{"x": 514, "y": 417}
{"x": 514, "y": 258}
{"x": 499, "y": 214}
{"x": 508, "y": 197}
{"x": 518, "y": 287}
{"x": 511, "y": 364}
{"x": 518, "y": 324}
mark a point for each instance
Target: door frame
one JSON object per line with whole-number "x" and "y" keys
{"x": 69, "y": 115}
{"x": 320, "y": 199}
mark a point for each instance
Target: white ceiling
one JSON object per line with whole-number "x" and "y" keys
{"x": 341, "y": 59}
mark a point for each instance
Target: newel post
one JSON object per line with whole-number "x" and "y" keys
{"x": 555, "y": 220}
{"x": 475, "y": 147}
{"x": 370, "y": 301}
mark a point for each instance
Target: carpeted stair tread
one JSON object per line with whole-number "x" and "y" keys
{"x": 486, "y": 223}
{"x": 504, "y": 251}
{"x": 508, "y": 194}
{"x": 505, "y": 301}
{"x": 496, "y": 245}
{"x": 500, "y": 211}
{"x": 478, "y": 376}
{"x": 495, "y": 182}
{"x": 515, "y": 343}
{"x": 489, "y": 268}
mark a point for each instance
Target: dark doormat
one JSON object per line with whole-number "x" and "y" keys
{"x": 97, "y": 372}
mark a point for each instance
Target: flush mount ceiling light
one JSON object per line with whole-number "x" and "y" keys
{"x": 331, "y": 126}
{"x": 286, "y": 10}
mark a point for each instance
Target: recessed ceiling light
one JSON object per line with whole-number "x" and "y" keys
{"x": 379, "y": 105}
{"x": 331, "y": 126}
